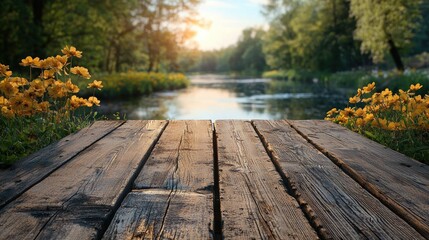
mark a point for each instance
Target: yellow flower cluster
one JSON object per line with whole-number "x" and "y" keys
{"x": 46, "y": 93}
{"x": 385, "y": 110}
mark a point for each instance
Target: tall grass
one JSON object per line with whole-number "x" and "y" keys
{"x": 131, "y": 84}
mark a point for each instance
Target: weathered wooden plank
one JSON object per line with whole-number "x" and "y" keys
{"x": 32, "y": 169}
{"x": 162, "y": 214}
{"x": 177, "y": 202}
{"x": 342, "y": 209}
{"x": 254, "y": 202}
{"x": 182, "y": 159}
{"x": 76, "y": 200}
{"x": 401, "y": 183}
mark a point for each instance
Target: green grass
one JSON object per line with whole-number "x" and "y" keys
{"x": 131, "y": 84}
{"x": 383, "y": 79}
{"x": 413, "y": 143}
{"x": 25, "y": 135}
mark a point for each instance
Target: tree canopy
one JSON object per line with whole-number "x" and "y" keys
{"x": 115, "y": 34}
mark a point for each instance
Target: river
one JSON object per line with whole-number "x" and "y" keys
{"x": 219, "y": 97}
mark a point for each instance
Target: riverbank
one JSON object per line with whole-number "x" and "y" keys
{"x": 354, "y": 79}
{"x": 134, "y": 84}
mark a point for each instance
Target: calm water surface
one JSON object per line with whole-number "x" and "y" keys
{"x": 219, "y": 97}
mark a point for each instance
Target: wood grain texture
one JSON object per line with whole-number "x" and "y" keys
{"x": 254, "y": 202}
{"x": 342, "y": 208}
{"x": 32, "y": 169}
{"x": 182, "y": 159}
{"x": 162, "y": 214}
{"x": 401, "y": 183}
{"x": 177, "y": 202}
{"x": 77, "y": 200}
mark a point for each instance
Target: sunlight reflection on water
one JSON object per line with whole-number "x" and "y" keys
{"x": 217, "y": 97}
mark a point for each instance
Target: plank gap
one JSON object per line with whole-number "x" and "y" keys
{"x": 129, "y": 185}
{"x": 292, "y": 190}
{"x": 369, "y": 187}
{"x": 217, "y": 213}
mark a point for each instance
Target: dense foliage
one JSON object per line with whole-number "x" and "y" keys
{"x": 328, "y": 36}
{"x": 117, "y": 35}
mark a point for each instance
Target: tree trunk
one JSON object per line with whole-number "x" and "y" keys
{"x": 37, "y": 9}
{"x": 395, "y": 55}
{"x": 117, "y": 58}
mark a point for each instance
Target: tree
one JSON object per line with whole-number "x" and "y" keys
{"x": 247, "y": 56}
{"x": 385, "y": 26}
{"x": 313, "y": 35}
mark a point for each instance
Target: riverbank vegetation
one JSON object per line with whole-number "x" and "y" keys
{"x": 398, "y": 120}
{"x": 135, "y": 84}
{"x": 44, "y": 107}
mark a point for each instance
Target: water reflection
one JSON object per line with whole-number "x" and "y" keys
{"x": 217, "y": 97}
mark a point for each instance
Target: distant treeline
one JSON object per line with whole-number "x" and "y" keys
{"x": 327, "y": 36}
{"x": 151, "y": 35}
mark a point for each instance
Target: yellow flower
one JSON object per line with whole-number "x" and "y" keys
{"x": 37, "y": 87}
{"x": 8, "y": 88}
{"x": 331, "y": 112}
{"x": 354, "y": 100}
{"x": 43, "y": 106}
{"x": 22, "y": 105}
{"x": 418, "y": 99}
{"x": 4, "y": 70}
{"x": 71, "y": 87}
{"x": 368, "y": 118}
{"x": 347, "y": 112}
{"x": 383, "y": 123}
{"x": 48, "y": 73}
{"x": 393, "y": 126}
{"x": 18, "y": 81}
{"x": 29, "y": 61}
{"x": 359, "y": 92}
{"x": 76, "y": 102}
{"x": 360, "y": 122}
{"x": 57, "y": 90}
{"x": 359, "y": 112}
{"x": 369, "y": 87}
{"x": 386, "y": 93}
{"x": 81, "y": 71}
{"x": 366, "y": 100}
{"x": 415, "y": 87}
{"x": 50, "y": 63}
{"x": 403, "y": 95}
{"x": 96, "y": 84}
{"x": 61, "y": 59}
{"x": 94, "y": 100}
{"x": 3, "y": 101}
{"x": 71, "y": 52}
{"x": 5, "y": 111}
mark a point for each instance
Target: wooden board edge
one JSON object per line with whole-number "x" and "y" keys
{"x": 313, "y": 219}
{"x": 66, "y": 160}
{"x": 129, "y": 187}
{"x": 396, "y": 208}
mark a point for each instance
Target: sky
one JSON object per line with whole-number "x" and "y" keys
{"x": 227, "y": 18}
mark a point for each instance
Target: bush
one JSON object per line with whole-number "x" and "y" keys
{"x": 399, "y": 121}
{"x": 131, "y": 84}
{"x": 37, "y": 111}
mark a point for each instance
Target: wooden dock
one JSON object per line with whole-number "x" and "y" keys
{"x": 203, "y": 180}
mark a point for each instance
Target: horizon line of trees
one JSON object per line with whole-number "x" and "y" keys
{"x": 326, "y": 36}
{"x": 151, "y": 35}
